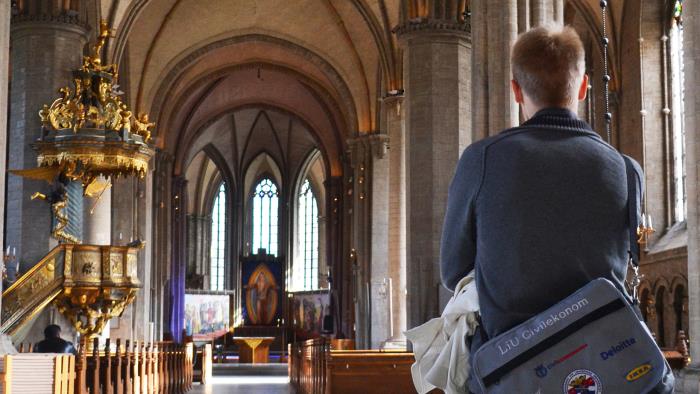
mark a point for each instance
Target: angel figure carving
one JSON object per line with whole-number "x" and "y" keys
{"x": 143, "y": 127}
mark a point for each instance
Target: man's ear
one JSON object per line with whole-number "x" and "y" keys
{"x": 583, "y": 89}
{"x": 517, "y": 91}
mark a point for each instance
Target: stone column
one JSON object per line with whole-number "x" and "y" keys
{"x": 495, "y": 27}
{"x": 97, "y": 219}
{"x": 127, "y": 197}
{"x": 146, "y": 298}
{"x": 538, "y": 11}
{"x": 177, "y": 270}
{"x": 360, "y": 159}
{"x": 397, "y": 215}
{"x": 4, "y": 77}
{"x": 161, "y": 250}
{"x": 97, "y": 230}
{"x": 341, "y": 291}
{"x": 437, "y": 67}
{"x": 47, "y": 43}
{"x": 690, "y": 376}
{"x": 379, "y": 275}
{"x": 198, "y": 242}
{"x": 388, "y": 266}
{"x": 558, "y": 11}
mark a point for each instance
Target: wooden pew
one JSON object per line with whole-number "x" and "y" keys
{"x": 116, "y": 376}
{"x": 354, "y": 371}
{"x": 315, "y": 369}
{"x": 135, "y": 368}
{"x": 202, "y": 364}
{"x": 127, "y": 370}
{"x": 36, "y": 373}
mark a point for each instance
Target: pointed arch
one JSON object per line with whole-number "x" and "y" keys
{"x": 308, "y": 199}
{"x": 219, "y": 237}
{"x": 263, "y": 192}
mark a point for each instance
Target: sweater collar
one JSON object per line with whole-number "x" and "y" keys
{"x": 562, "y": 117}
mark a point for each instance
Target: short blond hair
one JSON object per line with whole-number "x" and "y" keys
{"x": 547, "y": 61}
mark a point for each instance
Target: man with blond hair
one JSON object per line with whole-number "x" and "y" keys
{"x": 540, "y": 210}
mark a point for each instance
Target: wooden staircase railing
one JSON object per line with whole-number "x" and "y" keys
{"x": 35, "y": 289}
{"x": 67, "y": 270}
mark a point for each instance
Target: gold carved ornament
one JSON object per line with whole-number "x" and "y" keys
{"x": 89, "y": 131}
{"x": 94, "y": 101}
{"x": 90, "y": 296}
{"x": 89, "y": 135}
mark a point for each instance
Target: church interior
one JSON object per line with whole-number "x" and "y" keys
{"x": 250, "y": 193}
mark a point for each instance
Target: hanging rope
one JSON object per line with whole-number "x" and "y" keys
{"x": 606, "y": 75}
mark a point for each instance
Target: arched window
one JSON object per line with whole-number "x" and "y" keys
{"x": 218, "y": 239}
{"x": 661, "y": 332}
{"x": 265, "y": 214}
{"x": 306, "y": 275}
{"x": 678, "y": 301}
{"x": 645, "y": 301}
{"x": 675, "y": 52}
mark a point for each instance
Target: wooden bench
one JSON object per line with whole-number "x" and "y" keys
{"x": 37, "y": 373}
{"x": 315, "y": 368}
{"x": 358, "y": 371}
{"x": 135, "y": 368}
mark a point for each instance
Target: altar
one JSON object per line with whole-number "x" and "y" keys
{"x": 253, "y": 350}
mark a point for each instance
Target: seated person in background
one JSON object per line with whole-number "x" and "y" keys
{"x": 53, "y": 342}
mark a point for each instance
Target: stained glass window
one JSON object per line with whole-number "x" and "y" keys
{"x": 218, "y": 239}
{"x": 306, "y": 270}
{"x": 265, "y": 215}
{"x": 675, "y": 39}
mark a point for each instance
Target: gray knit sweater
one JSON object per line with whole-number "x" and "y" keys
{"x": 537, "y": 211}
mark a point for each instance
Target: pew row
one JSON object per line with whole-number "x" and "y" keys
{"x": 316, "y": 369}
{"x": 37, "y": 373}
{"x": 135, "y": 368}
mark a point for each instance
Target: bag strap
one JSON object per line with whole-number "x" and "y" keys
{"x": 633, "y": 182}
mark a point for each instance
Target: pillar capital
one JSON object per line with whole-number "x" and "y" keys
{"x": 426, "y": 28}
{"x": 39, "y": 11}
{"x": 367, "y": 146}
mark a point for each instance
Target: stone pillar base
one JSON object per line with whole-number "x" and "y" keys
{"x": 688, "y": 380}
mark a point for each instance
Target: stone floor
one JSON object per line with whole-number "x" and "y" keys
{"x": 244, "y": 385}
{"x": 246, "y": 378}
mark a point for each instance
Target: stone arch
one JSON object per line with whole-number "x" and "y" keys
{"x": 328, "y": 135}
{"x": 644, "y": 302}
{"x": 263, "y": 166}
{"x": 660, "y": 296}
{"x": 680, "y": 304}
{"x": 195, "y": 54}
{"x": 309, "y": 170}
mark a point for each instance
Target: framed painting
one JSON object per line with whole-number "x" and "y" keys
{"x": 263, "y": 292}
{"x": 207, "y": 315}
{"x": 308, "y": 311}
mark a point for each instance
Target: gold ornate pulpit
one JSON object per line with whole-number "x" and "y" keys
{"x": 89, "y": 284}
{"x": 89, "y": 135}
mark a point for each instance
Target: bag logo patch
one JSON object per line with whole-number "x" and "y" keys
{"x": 582, "y": 381}
{"x": 619, "y": 348}
{"x": 542, "y": 369}
{"x": 638, "y": 372}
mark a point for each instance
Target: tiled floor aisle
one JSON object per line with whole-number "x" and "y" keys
{"x": 244, "y": 385}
